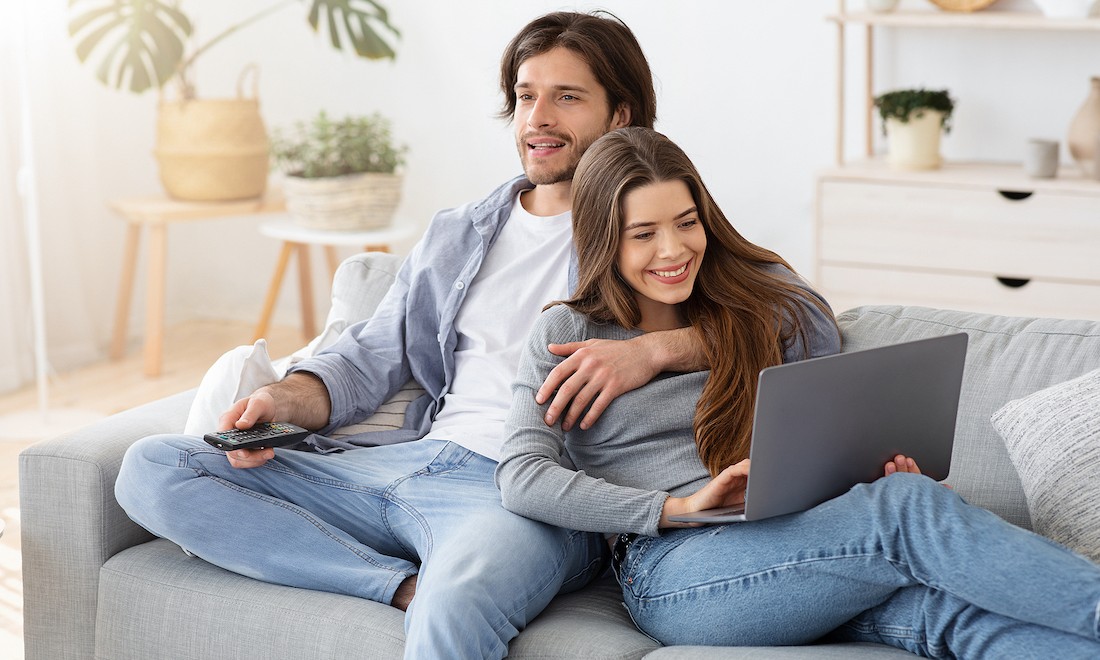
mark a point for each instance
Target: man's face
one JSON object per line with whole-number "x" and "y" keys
{"x": 560, "y": 110}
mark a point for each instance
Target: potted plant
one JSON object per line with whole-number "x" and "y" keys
{"x": 912, "y": 120}
{"x": 340, "y": 174}
{"x": 207, "y": 149}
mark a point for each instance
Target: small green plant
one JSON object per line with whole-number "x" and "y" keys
{"x": 902, "y": 104}
{"x": 324, "y": 147}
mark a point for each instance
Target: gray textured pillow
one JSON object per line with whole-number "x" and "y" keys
{"x": 1053, "y": 439}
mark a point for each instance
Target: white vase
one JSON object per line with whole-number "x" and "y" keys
{"x": 915, "y": 144}
{"x": 1065, "y": 8}
{"x": 880, "y": 6}
{"x": 1084, "y": 132}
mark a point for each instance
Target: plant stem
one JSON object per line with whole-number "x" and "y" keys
{"x": 187, "y": 90}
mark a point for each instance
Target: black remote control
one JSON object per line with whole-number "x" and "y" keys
{"x": 263, "y": 434}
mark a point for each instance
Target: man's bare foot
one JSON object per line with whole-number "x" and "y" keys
{"x": 404, "y": 594}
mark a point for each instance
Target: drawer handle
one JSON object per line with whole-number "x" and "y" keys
{"x": 1013, "y": 282}
{"x": 1015, "y": 195}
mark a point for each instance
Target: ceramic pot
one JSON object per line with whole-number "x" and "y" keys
{"x": 1084, "y": 131}
{"x": 915, "y": 144}
{"x": 1065, "y": 8}
{"x": 880, "y": 6}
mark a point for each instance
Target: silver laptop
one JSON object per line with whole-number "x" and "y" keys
{"x": 825, "y": 424}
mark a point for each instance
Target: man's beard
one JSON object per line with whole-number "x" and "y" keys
{"x": 546, "y": 177}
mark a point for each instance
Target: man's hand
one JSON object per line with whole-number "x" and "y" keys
{"x": 258, "y": 407}
{"x": 594, "y": 372}
{"x": 597, "y": 371}
{"x": 726, "y": 489}
{"x": 299, "y": 398}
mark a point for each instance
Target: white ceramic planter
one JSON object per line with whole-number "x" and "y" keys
{"x": 1065, "y": 8}
{"x": 354, "y": 202}
{"x": 880, "y": 6}
{"x": 915, "y": 144}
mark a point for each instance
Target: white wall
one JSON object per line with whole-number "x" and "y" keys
{"x": 747, "y": 88}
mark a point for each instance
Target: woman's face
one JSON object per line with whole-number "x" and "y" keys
{"x": 660, "y": 250}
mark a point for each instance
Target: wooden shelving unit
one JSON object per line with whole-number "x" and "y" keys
{"x": 977, "y": 236}
{"x": 931, "y": 19}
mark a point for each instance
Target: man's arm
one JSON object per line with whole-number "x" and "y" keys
{"x": 599, "y": 370}
{"x": 300, "y": 398}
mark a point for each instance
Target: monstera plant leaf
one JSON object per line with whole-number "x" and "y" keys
{"x": 358, "y": 20}
{"x": 140, "y": 43}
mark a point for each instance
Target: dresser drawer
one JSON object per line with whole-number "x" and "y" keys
{"x": 846, "y": 287}
{"x": 1046, "y": 235}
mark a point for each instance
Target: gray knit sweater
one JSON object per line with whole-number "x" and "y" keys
{"x": 640, "y": 452}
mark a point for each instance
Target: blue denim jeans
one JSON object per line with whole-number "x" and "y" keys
{"x": 902, "y": 561}
{"x": 359, "y": 523}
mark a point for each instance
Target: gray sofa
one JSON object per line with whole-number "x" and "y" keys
{"x": 97, "y": 585}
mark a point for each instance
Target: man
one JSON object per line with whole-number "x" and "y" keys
{"x": 422, "y": 515}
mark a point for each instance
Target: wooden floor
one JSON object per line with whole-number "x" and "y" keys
{"x": 93, "y": 392}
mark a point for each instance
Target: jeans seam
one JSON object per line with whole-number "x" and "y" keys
{"x": 305, "y": 515}
{"x": 561, "y": 561}
{"x": 301, "y": 513}
{"x": 743, "y": 577}
{"x": 389, "y": 498}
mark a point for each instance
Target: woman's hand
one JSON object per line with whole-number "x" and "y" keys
{"x": 726, "y": 489}
{"x": 901, "y": 463}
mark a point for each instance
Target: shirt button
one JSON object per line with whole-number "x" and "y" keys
{"x": 459, "y": 285}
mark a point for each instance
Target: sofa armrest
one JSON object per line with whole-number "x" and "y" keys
{"x": 71, "y": 523}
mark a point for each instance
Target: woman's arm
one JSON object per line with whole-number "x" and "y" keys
{"x": 532, "y": 480}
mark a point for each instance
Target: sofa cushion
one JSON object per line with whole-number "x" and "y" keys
{"x": 156, "y": 602}
{"x": 1053, "y": 439}
{"x": 1007, "y": 358}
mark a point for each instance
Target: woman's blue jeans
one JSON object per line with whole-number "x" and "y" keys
{"x": 902, "y": 561}
{"x": 359, "y": 523}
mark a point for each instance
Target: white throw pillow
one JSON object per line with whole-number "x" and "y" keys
{"x": 245, "y": 369}
{"x": 234, "y": 375}
{"x": 1053, "y": 440}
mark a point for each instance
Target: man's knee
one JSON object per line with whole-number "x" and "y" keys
{"x": 141, "y": 475}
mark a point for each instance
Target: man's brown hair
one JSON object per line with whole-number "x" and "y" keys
{"x": 604, "y": 42}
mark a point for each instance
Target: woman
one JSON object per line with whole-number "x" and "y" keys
{"x": 902, "y": 561}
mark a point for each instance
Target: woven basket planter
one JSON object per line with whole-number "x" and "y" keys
{"x": 963, "y": 5}
{"x": 212, "y": 149}
{"x": 351, "y": 202}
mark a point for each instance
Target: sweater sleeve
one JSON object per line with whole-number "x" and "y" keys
{"x": 531, "y": 475}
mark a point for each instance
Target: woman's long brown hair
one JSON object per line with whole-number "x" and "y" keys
{"x": 743, "y": 311}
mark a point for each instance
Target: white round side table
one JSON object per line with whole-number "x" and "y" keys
{"x": 297, "y": 239}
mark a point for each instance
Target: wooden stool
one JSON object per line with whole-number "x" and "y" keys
{"x": 297, "y": 239}
{"x": 157, "y": 213}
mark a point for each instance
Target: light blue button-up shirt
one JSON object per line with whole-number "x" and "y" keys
{"x": 412, "y": 333}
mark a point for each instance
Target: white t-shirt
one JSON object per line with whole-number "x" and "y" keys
{"x": 526, "y": 268}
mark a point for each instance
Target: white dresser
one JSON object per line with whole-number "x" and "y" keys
{"x": 969, "y": 236}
